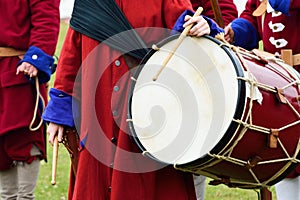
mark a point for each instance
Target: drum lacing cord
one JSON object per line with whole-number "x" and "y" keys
{"x": 221, "y": 37}
{"x": 244, "y": 163}
{"x": 38, "y": 95}
{"x": 253, "y": 84}
{"x": 247, "y": 126}
{"x": 267, "y": 130}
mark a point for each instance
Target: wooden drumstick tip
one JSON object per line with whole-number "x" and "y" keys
{"x": 53, "y": 182}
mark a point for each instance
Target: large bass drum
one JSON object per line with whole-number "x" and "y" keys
{"x": 218, "y": 111}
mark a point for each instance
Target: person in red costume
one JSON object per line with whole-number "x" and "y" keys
{"x": 273, "y": 22}
{"x": 92, "y": 73}
{"x": 29, "y": 32}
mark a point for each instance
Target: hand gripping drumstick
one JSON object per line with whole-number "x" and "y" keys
{"x": 180, "y": 39}
{"x": 54, "y": 160}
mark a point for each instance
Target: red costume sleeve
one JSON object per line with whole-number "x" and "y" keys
{"x": 295, "y": 5}
{"x": 44, "y": 17}
{"x": 173, "y": 9}
{"x": 69, "y": 62}
{"x": 247, "y": 13}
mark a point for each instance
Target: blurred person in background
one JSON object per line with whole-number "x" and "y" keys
{"x": 28, "y": 36}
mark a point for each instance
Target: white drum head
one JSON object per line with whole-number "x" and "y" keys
{"x": 180, "y": 117}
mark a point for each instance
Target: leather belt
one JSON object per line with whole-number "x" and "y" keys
{"x": 289, "y": 58}
{"x": 261, "y": 9}
{"x": 9, "y": 52}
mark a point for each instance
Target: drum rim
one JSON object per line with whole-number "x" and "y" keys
{"x": 241, "y": 101}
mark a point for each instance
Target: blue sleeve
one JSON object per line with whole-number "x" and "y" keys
{"x": 280, "y": 5}
{"x": 245, "y": 35}
{"x": 42, "y": 61}
{"x": 178, "y": 27}
{"x": 60, "y": 109}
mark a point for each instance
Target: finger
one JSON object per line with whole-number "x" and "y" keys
{"x": 60, "y": 133}
{"x": 51, "y": 130}
{"x": 34, "y": 73}
{"x": 200, "y": 29}
{"x": 190, "y": 20}
{"x": 20, "y": 68}
{"x": 201, "y": 32}
{"x": 187, "y": 17}
{"x": 30, "y": 71}
{"x": 204, "y": 32}
{"x": 195, "y": 29}
{"x": 227, "y": 29}
{"x": 229, "y": 36}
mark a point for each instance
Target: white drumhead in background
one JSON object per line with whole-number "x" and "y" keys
{"x": 180, "y": 117}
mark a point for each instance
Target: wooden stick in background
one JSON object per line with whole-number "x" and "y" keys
{"x": 54, "y": 160}
{"x": 217, "y": 12}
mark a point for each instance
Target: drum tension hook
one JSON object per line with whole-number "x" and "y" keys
{"x": 272, "y": 142}
{"x": 252, "y": 162}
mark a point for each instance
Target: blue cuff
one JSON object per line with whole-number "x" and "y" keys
{"x": 178, "y": 27}
{"x": 59, "y": 109}
{"x": 245, "y": 35}
{"x": 214, "y": 28}
{"x": 42, "y": 61}
{"x": 280, "y": 5}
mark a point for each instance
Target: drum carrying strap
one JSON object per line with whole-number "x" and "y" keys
{"x": 101, "y": 20}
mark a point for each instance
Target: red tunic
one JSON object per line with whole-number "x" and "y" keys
{"x": 277, "y": 32}
{"x": 227, "y": 7}
{"x": 24, "y": 23}
{"x": 103, "y": 102}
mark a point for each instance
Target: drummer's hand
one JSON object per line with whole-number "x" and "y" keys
{"x": 200, "y": 28}
{"x": 229, "y": 34}
{"x": 27, "y": 69}
{"x": 53, "y": 130}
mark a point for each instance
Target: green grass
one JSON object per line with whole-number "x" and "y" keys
{"x": 59, "y": 191}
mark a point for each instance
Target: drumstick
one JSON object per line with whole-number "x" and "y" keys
{"x": 180, "y": 39}
{"x": 54, "y": 160}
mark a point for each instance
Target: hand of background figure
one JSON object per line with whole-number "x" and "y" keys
{"x": 27, "y": 69}
{"x": 229, "y": 34}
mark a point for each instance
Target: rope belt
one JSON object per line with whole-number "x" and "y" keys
{"x": 9, "y": 52}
